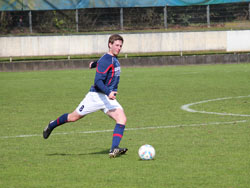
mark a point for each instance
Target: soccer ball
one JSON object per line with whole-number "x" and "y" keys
{"x": 146, "y": 152}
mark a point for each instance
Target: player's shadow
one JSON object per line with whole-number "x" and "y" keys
{"x": 79, "y": 154}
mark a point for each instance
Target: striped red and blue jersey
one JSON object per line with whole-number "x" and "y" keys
{"x": 107, "y": 75}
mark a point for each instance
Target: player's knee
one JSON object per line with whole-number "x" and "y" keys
{"x": 125, "y": 120}
{"x": 122, "y": 120}
{"x": 118, "y": 115}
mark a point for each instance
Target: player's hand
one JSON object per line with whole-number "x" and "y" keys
{"x": 90, "y": 64}
{"x": 112, "y": 95}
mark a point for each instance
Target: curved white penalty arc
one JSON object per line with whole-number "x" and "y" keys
{"x": 187, "y": 108}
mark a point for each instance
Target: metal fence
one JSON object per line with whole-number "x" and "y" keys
{"x": 234, "y": 16}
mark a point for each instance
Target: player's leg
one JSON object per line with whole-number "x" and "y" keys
{"x": 86, "y": 106}
{"x": 72, "y": 117}
{"x": 119, "y": 116}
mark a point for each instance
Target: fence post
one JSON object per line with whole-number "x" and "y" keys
{"x": 77, "y": 29}
{"x": 249, "y": 11}
{"x": 165, "y": 17}
{"x": 30, "y": 21}
{"x": 121, "y": 18}
{"x": 208, "y": 16}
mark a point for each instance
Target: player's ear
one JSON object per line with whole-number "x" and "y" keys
{"x": 109, "y": 45}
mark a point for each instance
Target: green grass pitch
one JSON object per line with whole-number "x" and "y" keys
{"x": 193, "y": 149}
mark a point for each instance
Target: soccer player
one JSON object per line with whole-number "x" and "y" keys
{"x": 101, "y": 96}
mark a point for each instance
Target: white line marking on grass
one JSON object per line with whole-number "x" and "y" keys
{"x": 128, "y": 129}
{"x": 186, "y": 107}
{"x": 187, "y": 73}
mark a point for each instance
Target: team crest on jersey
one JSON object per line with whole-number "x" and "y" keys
{"x": 117, "y": 71}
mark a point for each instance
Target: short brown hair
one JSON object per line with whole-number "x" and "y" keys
{"x": 115, "y": 37}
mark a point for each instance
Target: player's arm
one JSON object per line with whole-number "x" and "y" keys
{"x": 92, "y": 64}
{"x": 111, "y": 94}
{"x": 101, "y": 75}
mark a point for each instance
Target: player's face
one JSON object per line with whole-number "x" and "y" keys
{"x": 115, "y": 48}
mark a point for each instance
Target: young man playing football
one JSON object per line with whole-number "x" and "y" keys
{"x": 101, "y": 96}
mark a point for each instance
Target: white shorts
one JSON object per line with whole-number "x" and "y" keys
{"x": 95, "y": 101}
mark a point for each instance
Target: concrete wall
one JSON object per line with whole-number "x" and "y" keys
{"x": 238, "y": 40}
{"x": 179, "y": 41}
{"x": 134, "y": 42}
